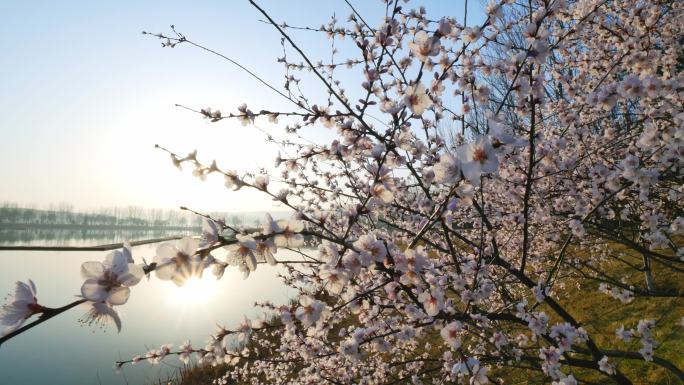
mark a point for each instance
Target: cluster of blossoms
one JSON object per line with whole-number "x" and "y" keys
{"x": 644, "y": 331}
{"x": 447, "y": 243}
{"x": 107, "y": 284}
{"x": 624, "y": 295}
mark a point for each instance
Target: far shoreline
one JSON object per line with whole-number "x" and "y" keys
{"x": 28, "y": 226}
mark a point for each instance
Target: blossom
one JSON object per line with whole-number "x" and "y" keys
{"x": 350, "y": 349}
{"x": 410, "y": 263}
{"x": 477, "y": 158}
{"x": 100, "y": 314}
{"x": 244, "y": 330}
{"x": 677, "y": 226}
{"x": 214, "y": 116}
{"x": 218, "y": 269}
{"x": 450, "y": 334}
{"x": 433, "y": 301}
{"x": 370, "y": 249}
{"x": 242, "y": 252}
{"x": 460, "y": 367}
{"x": 164, "y": 350}
{"x": 154, "y": 356}
{"x": 538, "y": 322}
{"x": 424, "y": 46}
{"x": 500, "y": 135}
{"x": 110, "y": 281}
{"x": 470, "y": 34}
{"x": 646, "y": 351}
{"x": 416, "y": 99}
{"x": 622, "y": 334}
{"x": 23, "y": 305}
{"x": 310, "y": 310}
{"x": 246, "y": 116}
{"x": 269, "y": 226}
{"x": 577, "y": 228}
{"x": 479, "y": 376}
{"x": 261, "y": 182}
{"x": 381, "y": 192}
{"x": 606, "y": 366}
{"x": 185, "y": 351}
{"x": 540, "y": 291}
{"x": 472, "y": 366}
{"x": 285, "y": 315}
{"x": 624, "y": 295}
{"x": 336, "y": 278}
{"x": 566, "y": 334}
{"x": 178, "y": 261}
{"x": 328, "y": 252}
{"x": 233, "y": 181}
{"x": 448, "y": 169}
{"x": 176, "y": 162}
{"x": 288, "y": 233}
{"x": 499, "y": 340}
{"x": 210, "y": 233}
{"x": 265, "y": 250}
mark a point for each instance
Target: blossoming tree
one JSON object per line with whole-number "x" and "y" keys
{"x": 428, "y": 259}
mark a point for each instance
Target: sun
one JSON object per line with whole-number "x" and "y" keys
{"x": 196, "y": 291}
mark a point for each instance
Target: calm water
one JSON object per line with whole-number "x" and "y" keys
{"x": 79, "y": 236}
{"x": 62, "y": 352}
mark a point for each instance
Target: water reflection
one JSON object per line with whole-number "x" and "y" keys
{"x": 81, "y": 236}
{"x": 61, "y": 352}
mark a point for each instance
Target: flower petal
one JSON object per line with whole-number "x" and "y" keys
{"x": 91, "y": 269}
{"x": 269, "y": 225}
{"x": 93, "y": 291}
{"x": 128, "y": 251}
{"x": 179, "y": 279}
{"x": 13, "y": 314}
{"x": 269, "y": 258}
{"x": 108, "y": 311}
{"x": 117, "y": 262}
{"x": 119, "y": 295}
{"x": 165, "y": 251}
{"x": 132, "y": 275}
{"x": 165, "y": 270}
{"x": 251, "y": 261}
{"x": 295, "y": 240}
{"x": 280, "y": 240}
{"x": 296, "y": 225}
{"x": 23, "y": 292}
{"x": 188, "y": 245}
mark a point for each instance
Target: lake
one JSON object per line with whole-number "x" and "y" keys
{"x": 62, "y": 352}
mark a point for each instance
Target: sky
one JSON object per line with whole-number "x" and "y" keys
{"x": 84, "y": 96}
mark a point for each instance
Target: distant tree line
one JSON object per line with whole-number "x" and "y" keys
{"x": 65, "y": 214}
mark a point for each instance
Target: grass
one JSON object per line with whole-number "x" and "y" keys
{"x": 601, "y": 315}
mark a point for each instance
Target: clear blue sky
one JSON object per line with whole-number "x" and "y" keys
{"x": 85, "y": 96}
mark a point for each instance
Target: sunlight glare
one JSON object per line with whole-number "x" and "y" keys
{"x": 196, "y": 291}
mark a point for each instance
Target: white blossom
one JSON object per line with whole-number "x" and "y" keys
{"x": 23, "y": 304}
{"x": 289, "y": 233}
{"x": 477, "y": 158}
{"x": 310, "y": 310}
{"x": 110, "y": 281}
{"x": 417, "y": 100}
{"x": 179, "y": 261}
